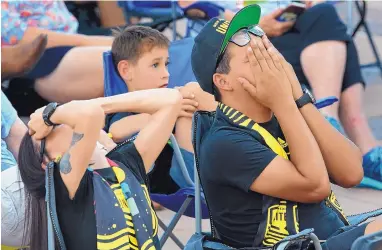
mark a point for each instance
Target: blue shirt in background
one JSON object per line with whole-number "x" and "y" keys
{"x": 8, "y": 118}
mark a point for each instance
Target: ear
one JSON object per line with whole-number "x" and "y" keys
{"x": 222, "y": 82}
{"x": 125, "y": 70}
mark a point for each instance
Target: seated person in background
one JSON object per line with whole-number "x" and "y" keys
{"x": 75, "y": 69}
{"x": 12, "y": 188}
{"x": 15, "y": 61}
{"x": 269, "y": 150}
{"x": 140, "y": 54}
{"x": 319, "y": 31}
{"x": 101, "y": 197}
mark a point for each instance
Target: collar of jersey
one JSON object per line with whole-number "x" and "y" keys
{"x": 241, "y": 120}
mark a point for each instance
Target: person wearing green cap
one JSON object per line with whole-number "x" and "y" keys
{"x": 267, "y": 161}
{"x": 324, "y": 58}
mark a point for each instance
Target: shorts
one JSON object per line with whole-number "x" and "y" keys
{"x": 319, "y": 23}
{"x": 344, "y": 237}
{"x": 21, "y": 91}
{"x": 12, "y": 207}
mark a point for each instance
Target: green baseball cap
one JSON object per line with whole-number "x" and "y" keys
{"x": 214, "y": 38}
{"x": 246, "y": 17}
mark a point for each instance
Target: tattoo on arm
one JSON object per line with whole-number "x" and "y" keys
{"x": 65, "y": 166}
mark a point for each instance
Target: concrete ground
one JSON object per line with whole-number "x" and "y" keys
{"x": 355, "y": 200}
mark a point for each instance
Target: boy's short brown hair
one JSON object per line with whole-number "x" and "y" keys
{"x": 130, "y": 43}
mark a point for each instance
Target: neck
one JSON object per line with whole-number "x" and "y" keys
{"x": 250, "y": 108}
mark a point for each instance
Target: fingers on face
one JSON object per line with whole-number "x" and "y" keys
{"x": 258, "y": 54}
{"x": 250, "y": 88}
{"x": 264, "y": 51}
{"x": 255, "y": 64}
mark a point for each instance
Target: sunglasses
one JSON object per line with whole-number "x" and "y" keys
{"x": 241, "y": 38}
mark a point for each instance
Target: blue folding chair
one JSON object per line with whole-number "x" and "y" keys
{"x": 202, "y": 122}
{"x": 180, "y": 74}
{"x": 164, "y": 13}
{"x": 368, "y": 242}
{"x": 195, "y": 23}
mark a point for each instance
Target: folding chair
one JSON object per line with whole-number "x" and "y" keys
{"x": 362, "y": 10}
{"x": 180, "y": 73}
{"x": 164, "y": 13}
{"x": 202, "y": 122}
{"x": 195, "y": 24}
{"x": 368, "y": 242}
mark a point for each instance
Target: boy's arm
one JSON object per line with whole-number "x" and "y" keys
{"x": 304, "y": 178}
{"x": 342, "y": 158}
{"x": 127, "y": 126}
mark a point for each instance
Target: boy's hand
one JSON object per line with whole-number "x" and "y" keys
{"x": 206, "y": 101}
{"x": 189, "y": 105}
{"x": 271, "y": 86}
{"x": 288, "y": 69}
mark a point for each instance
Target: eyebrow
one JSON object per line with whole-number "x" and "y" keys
{"x": 160, "y": 58}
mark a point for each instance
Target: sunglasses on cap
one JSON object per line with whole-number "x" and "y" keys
{"x": 242, "y": 37}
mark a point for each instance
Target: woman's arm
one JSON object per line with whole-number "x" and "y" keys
{"x": 56, "y": 39}
{"x": 164, "y": 106}
{"x": 86, "y": 120}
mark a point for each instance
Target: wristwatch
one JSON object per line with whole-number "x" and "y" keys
{"x": 306, "y": 98}
{"x": 48, "y": 112}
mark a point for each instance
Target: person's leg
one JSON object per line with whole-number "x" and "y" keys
{"x": 78, "y": 76}
{"x": 353, "y": 117}
{"x": 352, "y": 113}
{"x": 354, "y": 120}
{"x": 17, "y": 60}
{"x": 325, "y": 73}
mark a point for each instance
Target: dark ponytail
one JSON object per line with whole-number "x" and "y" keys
{"x": 33, "y": 177}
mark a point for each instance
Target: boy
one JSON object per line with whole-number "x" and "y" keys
{"x": 274, "y": 152}
{"x": 140, "y": 55}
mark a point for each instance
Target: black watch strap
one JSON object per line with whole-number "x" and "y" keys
{"x": 48, "y": 112}
{"x": 303, "y": 100}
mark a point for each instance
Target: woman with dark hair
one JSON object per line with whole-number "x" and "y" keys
{"x": 100, "y": 198}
